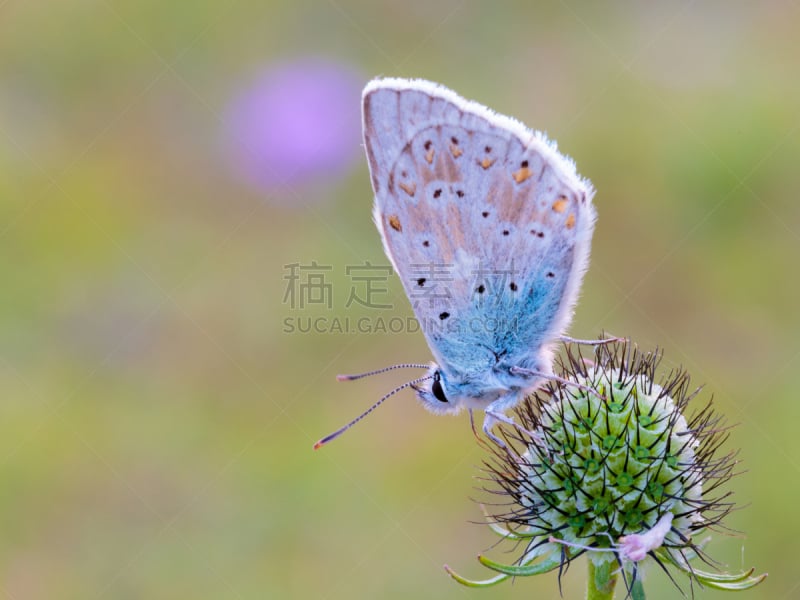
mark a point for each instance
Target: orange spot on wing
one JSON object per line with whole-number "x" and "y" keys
{"x": 486, "y": 163}
{"x": 560, "y": 205}
{"x": 521, "y": 175}
{"x": 570, "y": 221}
{"x": 456, "y": 151}
{"x": 429, "y": 156}
{"x": 409, "y": 189}
{"x": 394, "y": 221}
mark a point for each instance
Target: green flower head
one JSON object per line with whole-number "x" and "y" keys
{"x": 606, "y": 465}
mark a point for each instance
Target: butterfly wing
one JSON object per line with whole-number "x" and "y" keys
{"x": 487, "y": 225}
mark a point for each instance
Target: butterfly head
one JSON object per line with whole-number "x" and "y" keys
{"x": 435, "y": 393}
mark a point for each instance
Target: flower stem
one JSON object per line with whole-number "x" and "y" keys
{"x": 601, "y": 582}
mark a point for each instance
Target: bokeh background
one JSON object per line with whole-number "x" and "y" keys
{"x": 162, "y": 166}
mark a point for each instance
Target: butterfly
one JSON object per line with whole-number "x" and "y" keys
{"x": 489, "y": 228}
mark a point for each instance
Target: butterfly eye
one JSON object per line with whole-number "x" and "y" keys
{"x": 436, "y": 388}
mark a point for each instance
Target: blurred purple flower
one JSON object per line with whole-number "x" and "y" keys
{"x": 296, "y": 122}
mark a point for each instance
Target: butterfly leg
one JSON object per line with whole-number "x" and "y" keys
{"x": 493, "y": 417}
{"x": 472, "y": 424}
{"x": 489, "y": 421}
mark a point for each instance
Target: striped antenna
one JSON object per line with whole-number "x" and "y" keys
{"x": 341, "y": 430}
{"x": 379, "y": 371}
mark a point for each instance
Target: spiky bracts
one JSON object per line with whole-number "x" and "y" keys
{"x": 609, "y": 466}
{"x": 613, "y": 460}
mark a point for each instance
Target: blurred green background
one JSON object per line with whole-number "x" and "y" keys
{"x": 156, "y": 419}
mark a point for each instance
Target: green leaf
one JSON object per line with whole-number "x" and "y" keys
{"x": 723, "y": 577}
{"x": 720, "y": 581}
{"x": 503, "y": 531}
{"x": 507, "y": 533}
{"x": 735, "y": 586}
{"x": 523, "y": 570}
{"x": 637, "y": 590}
{"x": 475, "y": 584}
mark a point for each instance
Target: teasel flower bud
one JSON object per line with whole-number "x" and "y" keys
{"x": 606, "y": 464}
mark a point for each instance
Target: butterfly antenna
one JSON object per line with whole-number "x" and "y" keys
{"x": 341, "y": 430}
{"x": 379, "y": 371}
